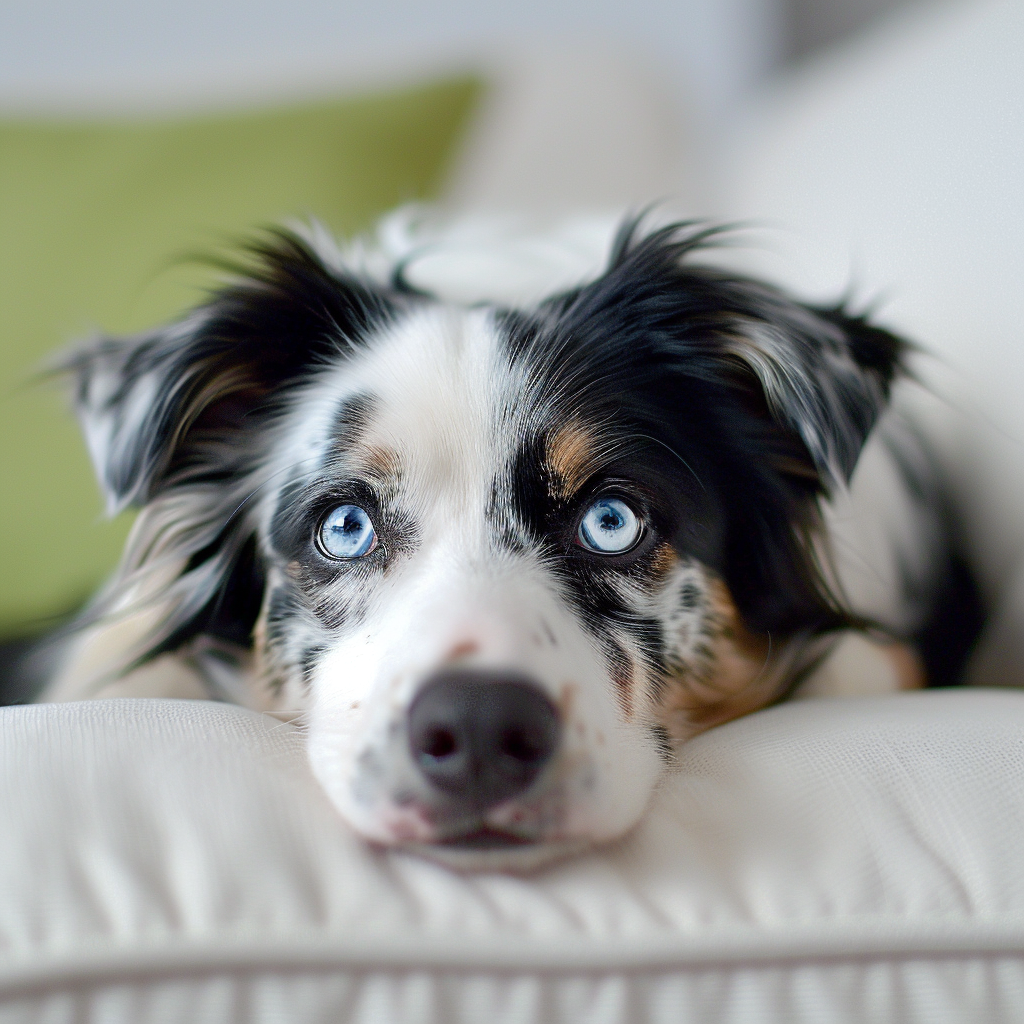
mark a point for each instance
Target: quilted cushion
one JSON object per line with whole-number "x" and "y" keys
{"x": 844, "y": 861}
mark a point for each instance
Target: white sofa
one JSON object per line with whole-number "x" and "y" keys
{"x": 850, "y": 861}
{"x": 854, "y": 860}
{"x": 895, "y": 169}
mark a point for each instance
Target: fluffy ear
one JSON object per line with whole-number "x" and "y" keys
{"x": 173, "y": 406}
{"x": 824, "y": 373}
{"x": 767, "y": 402}
{"x": 823, "y": 378}
{"x": 175, "y": 422}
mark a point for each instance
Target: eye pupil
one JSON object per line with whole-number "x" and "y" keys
{"x": 609, "y": 527}
{"x": 347, "y": 533}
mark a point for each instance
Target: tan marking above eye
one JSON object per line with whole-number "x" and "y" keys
{"x": 574, "y": 453}
{"x": 378, "y": 462}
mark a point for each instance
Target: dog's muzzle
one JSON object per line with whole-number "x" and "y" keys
{"x": 481, "y": 738}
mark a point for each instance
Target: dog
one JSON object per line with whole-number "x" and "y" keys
{"x": 500, "y": 557}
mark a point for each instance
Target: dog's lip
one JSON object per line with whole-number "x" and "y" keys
{"x": 486, "y": 838}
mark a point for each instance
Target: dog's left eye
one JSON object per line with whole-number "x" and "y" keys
{"x": 347, "y": 533}
{"x": 609, "y": 527}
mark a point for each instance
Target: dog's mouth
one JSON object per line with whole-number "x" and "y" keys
{"x": 492, "y": 849}
{"x": 487, "y": 838}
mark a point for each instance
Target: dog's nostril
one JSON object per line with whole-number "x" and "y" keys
{"x": 519, "y": 744}
{"x": 481, "y": 737}
{"x": 439, "y": 743}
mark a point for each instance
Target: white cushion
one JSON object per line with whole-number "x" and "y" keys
{"x": 849, "y": 860}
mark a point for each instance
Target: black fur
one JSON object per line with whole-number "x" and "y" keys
{"x": 217, "y": 374}
{"x": 732, "y": 463}
{"x": 735, "y": 409}
{"x": 182, "y": 412}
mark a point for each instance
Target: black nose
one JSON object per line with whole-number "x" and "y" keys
{"x": 480, "y": 736}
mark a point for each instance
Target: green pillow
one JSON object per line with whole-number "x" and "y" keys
{"x": 93, "y": 219}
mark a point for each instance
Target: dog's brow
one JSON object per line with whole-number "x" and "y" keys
{"x": 573, "y": 453}
{"x": 378, "y": 462}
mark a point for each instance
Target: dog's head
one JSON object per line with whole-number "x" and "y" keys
{"x": 503, "y": 559}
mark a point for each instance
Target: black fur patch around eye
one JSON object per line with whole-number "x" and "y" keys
{"x": 181, "y": 416}
{"x": 522, "y": 506}
{"x": 527, "y": 511}
{"x": 336, "y": 591}
{"x": 757, "y": 402}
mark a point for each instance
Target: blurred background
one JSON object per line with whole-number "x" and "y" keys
{"x": 698, "y": 60}
{"x": 121, "y": 51}
{"x": 879, "y": 144}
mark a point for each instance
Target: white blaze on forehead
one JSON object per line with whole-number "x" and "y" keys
{"x": 439, "y": 386}
{"x": 446, "y": 407}
{"x": 439, "y": 382}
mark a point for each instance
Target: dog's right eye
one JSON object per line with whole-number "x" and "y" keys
{"x": 347, "y": 533}
{"x": 609, "y": 527}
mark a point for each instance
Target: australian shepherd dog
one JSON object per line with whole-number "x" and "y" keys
{"x": 500, "y": 556}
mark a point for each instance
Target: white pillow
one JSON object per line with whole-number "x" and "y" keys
{"x": 839, "y": 861}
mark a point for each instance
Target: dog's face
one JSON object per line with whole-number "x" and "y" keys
{"x": 503, "y": 560}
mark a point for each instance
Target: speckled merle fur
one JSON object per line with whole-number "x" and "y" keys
{"x": 728, "y": 458}
{"x": 722, "y": 411}
{"x": 720, "y": 461}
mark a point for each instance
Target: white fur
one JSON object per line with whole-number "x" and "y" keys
{"x": 451, "y": 410}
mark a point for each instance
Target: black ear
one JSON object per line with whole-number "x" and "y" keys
{"x": 175, "y": 421}
{"x": 824, "y": 374}
{"x": 766, "y": 401}
{"x": 822, "y": 379}
{"x": 174, "y": 405}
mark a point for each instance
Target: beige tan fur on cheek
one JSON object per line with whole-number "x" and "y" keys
{"x": 728, "y": 675}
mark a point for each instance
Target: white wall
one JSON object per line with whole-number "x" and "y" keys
{"x": 127, "y": 52}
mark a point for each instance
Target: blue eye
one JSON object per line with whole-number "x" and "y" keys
{"x": 347, "y": 533}
{"x": 609, "y": 527}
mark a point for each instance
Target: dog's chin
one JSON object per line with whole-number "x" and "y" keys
{"x": 491, "y": 850}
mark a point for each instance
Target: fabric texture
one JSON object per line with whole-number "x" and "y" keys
{"x": 845, "y": 861}
{"x": 97, "y": 221}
